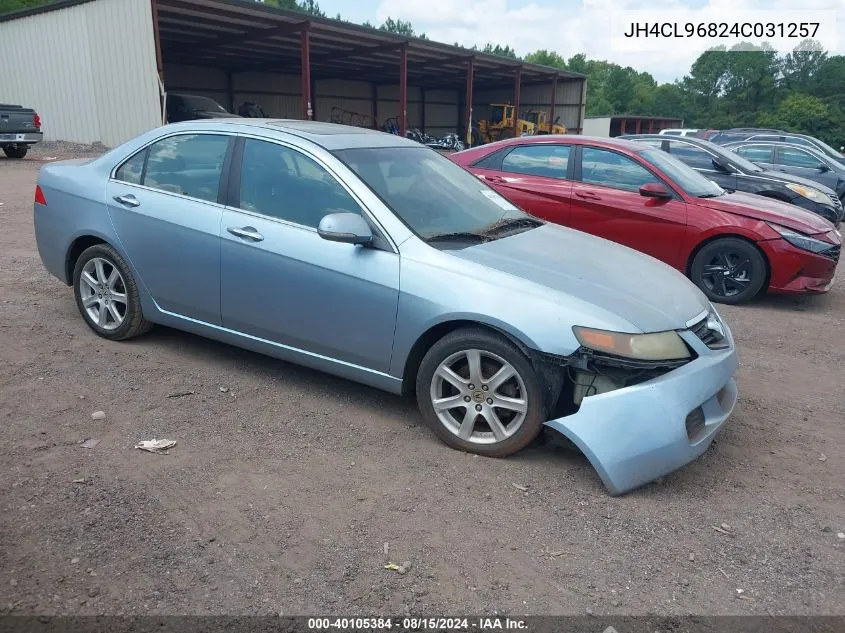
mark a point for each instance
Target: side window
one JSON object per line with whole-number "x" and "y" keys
{"x": 187, "y": 164}
{"x": 548, "y": 161}
{"x": 794, "y": 157}
{"x": 609, "y": 169}
{"x": 691, "y": 155}
{"x": 797, "y": 140}
{"x": 282, "y": 183}
{"x": 756, "y": 153}
{"x": 132, "y": 170}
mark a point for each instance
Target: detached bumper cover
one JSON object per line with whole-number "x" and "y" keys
{"x": 634, "y": 435}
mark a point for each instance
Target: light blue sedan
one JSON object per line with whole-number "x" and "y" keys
{"x": 374, "y": 258}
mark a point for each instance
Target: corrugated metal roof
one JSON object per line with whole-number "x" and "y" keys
{"x": 246, "y": 35}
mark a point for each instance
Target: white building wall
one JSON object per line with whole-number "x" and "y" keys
{"x": 597, "y": 126}
{"x": 88, "y": 70}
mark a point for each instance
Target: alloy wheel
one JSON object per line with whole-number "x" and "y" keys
{"x": 727, "y": 274}
{"x": 102, "y": 291}
{"x": 479, "y": 397}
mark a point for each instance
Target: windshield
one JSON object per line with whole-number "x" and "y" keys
{"x": 432, "y": 195}
{"x": 829, "y": 150}
{"x": 201, "y": 104}
{"x": 692, "y": 182}
{"x": 743, "y": 163}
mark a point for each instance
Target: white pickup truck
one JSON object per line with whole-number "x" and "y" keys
{"x": 19, "y": 128}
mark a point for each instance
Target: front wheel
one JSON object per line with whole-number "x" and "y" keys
{"x": 729, "y": 270}
{"x": 480, "y": 394}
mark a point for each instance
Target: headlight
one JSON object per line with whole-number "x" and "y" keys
{"x": 657, "y": 346}
{"x": 804, "y": 242}
{"x": 808, "y": 192}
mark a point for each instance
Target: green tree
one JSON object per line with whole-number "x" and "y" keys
{"x": 546, "y": 58}
{"x": 800, "y": 66}
{"x": 401, "y": 27}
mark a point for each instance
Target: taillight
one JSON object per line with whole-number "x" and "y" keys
{"x": 39, "y": 196}
{"x": 37, "y": 120}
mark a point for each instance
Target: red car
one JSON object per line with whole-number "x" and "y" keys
{"x": 732, "y": 245}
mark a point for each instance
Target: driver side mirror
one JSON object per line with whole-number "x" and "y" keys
{"x": 725, "y": 169}
{"x": 349, "y": 228}
{"x": 655, "y": 190}
{"x": 823, "y": 168}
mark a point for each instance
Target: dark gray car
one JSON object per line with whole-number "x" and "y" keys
{"x": 734, "y": 173}
{"x": 791, "y": 159}
{"x": 777, "y": 136}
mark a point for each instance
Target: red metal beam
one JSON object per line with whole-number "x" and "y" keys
{"x": 244, "y": 37}
{"x": 359, "y": 52}
{"x": 468, "y": 110}
{"x": 305, "y": 74}
{"x": 650, "y": 126}
{"x": 638, "y": 126}
{"x": 403, "y": 89}
{"x": 516, "y": 85}
{"x": 553, "y": 107}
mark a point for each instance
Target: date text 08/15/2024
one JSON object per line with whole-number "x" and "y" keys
{"x": 797, "y": 30}
{"x": 417, "y": 624}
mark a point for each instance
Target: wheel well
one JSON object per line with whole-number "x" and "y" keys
{"x": 434, "y": 334}
{"x": 76, "y": 249}
{"x": 695, "y": 251}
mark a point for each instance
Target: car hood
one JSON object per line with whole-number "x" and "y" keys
{"x": 643, "y": 291}
{"x": 766, "y": 209}
{"x": 798, "y": 180}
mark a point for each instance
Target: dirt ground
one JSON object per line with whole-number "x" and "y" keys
{"x": 285, "y": 490}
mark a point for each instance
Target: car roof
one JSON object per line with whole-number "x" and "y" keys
{"x": 567, "y": 139}
{"x": 751, "y": 141}
{"x": 330, "y": 136}
{"x": 692, "y": 140}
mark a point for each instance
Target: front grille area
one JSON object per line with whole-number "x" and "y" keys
{"x": 711, "y": 338}
{"x": 695, "y": 424}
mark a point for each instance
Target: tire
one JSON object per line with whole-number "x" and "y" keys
{"x": 15, "y": 151}
{"x": 98, "y": 264}
{"x": 517, "y": 424}
{"x": 744, "y": 260}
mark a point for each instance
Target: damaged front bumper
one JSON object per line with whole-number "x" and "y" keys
{"x": 635, "y": 434}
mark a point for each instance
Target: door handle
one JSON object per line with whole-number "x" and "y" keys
{"x": 587, "y": 195}
{"x": 246, "y": 232}
{"x": 128, "y": 200}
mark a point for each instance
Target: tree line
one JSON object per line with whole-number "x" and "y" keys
{"x": 744, "y": 86}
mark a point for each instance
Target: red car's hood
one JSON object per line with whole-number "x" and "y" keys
{"x": 768, "y": 210}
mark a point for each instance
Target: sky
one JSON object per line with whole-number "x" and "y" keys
{"x": 592, "y": 27}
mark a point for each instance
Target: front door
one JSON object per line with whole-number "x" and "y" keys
{"x": 163, "y": 203}
{"x": 794, "y": 160}
{"x": 606, "y": 202}
{"x": 280, "y": 281}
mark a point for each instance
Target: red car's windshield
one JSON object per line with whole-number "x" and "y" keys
{"x": 692, "y": 182}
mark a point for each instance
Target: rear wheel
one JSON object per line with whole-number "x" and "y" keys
{"x": 729, "y": 270}
{"x": 479, "y": 393}
{"x": 15, "y": 151}
{"x": 106, "y": 294}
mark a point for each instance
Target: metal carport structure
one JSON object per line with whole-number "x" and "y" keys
{"x": 102, "y": 64}
{"x": 238, "y": 36}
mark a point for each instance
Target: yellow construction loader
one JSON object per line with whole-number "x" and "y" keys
{"x": 541, "y": 123}
{"x": 500, "y": 125}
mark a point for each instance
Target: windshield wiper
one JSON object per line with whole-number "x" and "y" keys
{"x": 710, "y": 195}
{"x": 461, "y": 236}
{"x": 509, "y": 224}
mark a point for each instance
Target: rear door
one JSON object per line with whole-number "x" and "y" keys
{"x": 606, "y": 202}
{"x": 535, "y": 177}
{"x": 165, "y": 203}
